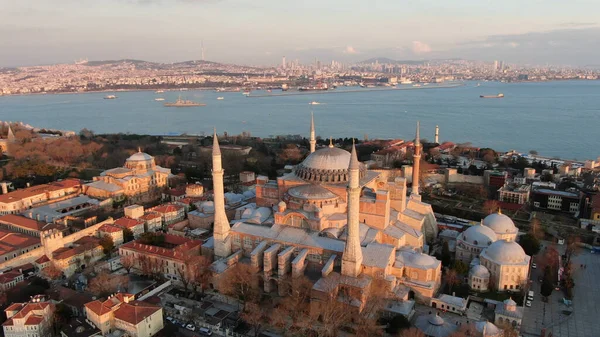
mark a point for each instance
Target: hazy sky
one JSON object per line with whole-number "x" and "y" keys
{"x": 260, "y": 32}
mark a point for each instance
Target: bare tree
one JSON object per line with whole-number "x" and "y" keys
{"x": 572, "y": 247}
{"x": 128, "y": 262}
{"x": 105, "y": 284}
{"x": 536, "y": 228}
{"x": 490, "y": 206}
{"x": 52, "y": 272}
{"x": 240, "y": 281}
{"x": 255, "y": 316}
{"x": 412, "y": 332}
{"x": 365, "y": 322}
{"x": 451, "y": 279}
{"x": 332, "y": 313}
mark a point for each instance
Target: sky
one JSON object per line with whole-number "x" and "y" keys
{"x": 260, "y": 32}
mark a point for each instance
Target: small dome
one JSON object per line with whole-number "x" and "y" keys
{"x": 311, "y": 192}
{"x": 500, "y": 223}
{"x": 435, "y": 320}
{"x": 421, "y": 259}
{"x": 509, "y": 302}
{"x": 490, "y": 328}
{"x": 505, "y": 252}
{"x": 329, "y": 158}
{"x": 140, "y": 156}
{"x": 281, "y": 204}
{"x": 480, "y": 271}
{"x": 480, "y": 236}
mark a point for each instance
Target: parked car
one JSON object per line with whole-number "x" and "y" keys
{"x": 170, "y": 319}
{"x": 205, "y": 331}
{"x": 533, "y": 265}
{"x": 190, "y": 327}
{"x": 528, "y": 303}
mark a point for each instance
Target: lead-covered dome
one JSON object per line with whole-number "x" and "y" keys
{"x": 140, "y": 156}
{"x": 311, "y": 192}
{"x": 327, "y": 165}
{"x": 488, "y": 328}
{"x": 480, "y": 271}
{"x": 505, "y": 252}
{"x": 500, "y": 224}
{"x": 480, "y": 236}
{"x": 423, "y": 260}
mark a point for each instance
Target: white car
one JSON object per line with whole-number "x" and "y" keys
{"x": 190, "y": 327}
{"x": 528, "y": 304}
{"x": 205, "y": 331}
{"x": 533, "y": 265}
{"x": 170, "y": 319}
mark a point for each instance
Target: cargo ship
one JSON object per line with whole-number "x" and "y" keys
{"x": 318, "y": 87}
{"x": 180, "y": 103}
{"x": 492, "y": 96}
{"x": 110, "y": 97}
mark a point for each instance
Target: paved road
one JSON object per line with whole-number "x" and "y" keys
{"x": 585, "y": 319}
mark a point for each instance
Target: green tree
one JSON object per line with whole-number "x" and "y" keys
{"x": 127, "y": 235}
{"x": 530, "y": 244}
{"x": 460, "y": 267}
{"x": 547, "y": 282}
{"x": 446, "y": 256}
{"x": 107, "y": 244}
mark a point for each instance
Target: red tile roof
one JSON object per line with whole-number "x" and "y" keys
{"x": 38, "y": 190}
{"x": 101, "y": 308}
{"x": 183, "y": 246}
{"x": 110, "y": 229}
{"x": 31, "y": 307}
{"x": 127, "y": 222}
{"x": 11, "y": 241}
{"x": 136, "y": 311}
{"x": 34, "y": 320}
{"x": 21, "y": 221}
{"x": 9, "y": 276}
{"x": 42, "y": 259}
{"x": 167, "y": 208}
{"x": 84, "y": 244}
{"x": 150, "y": 216}
{"x": 97, "y": 308}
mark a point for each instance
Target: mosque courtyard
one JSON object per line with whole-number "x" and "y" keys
{"x": 584, "y": 319}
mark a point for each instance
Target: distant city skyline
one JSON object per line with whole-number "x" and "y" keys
{"x": 261, "y": 33}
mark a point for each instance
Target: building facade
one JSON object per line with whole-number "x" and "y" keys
{"x": 32, "y": 319}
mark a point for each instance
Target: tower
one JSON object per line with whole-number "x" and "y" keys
{"x": 312, "y": 141}
{"x": 283, "y": 62}
{"x": 221, "y": 226}
{"x": 437, "y": 134}
{"x": 202, "y": 48}
{"x": 416, "y": 164}
{"x": 352, "y": 257}
{"x": 10, "y": 136}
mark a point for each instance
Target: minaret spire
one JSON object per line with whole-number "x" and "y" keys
{"x": 437, "y": 134}
{"x": 352, "y": 256}
{"x": 221, "y": 227}
{"x": 416, "y": 164}
{"x": 313, "y": 140}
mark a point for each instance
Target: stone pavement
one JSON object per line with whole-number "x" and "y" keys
{"x": 584, "y": 321}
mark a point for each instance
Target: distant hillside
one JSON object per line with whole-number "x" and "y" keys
{"x": 386, "y": 60}
{"x": 108, "y": 62}
{"x": 195, "y": 62}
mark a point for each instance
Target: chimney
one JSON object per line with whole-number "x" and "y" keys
{"x": 4, "y": 187}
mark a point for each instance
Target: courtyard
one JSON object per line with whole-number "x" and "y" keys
{"x": 582, "y": 318}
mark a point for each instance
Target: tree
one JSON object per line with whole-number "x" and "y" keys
{"x": 107, "y": 244}
{"x": 446, "y": 256}
{"x": 127, "y": 235}
{"x": 240, "y": 281}
{"x": 536, "y": 228}
{"x": 332, "y": 312}
{"x": 547, "y": 282}
{"x": 255, "y": 316}
{"x": 572, "y": 247}
{"x": 460, "y": 267}
{"x": 397, "y": 324}
{"x": 128, "y": 262}
{"x": 62, "y": 316}
{"x": 52, "y": 272}
{"x": 530, "y": 244}
{"x": 105, "y": 284}
{"x": 490, "y": 206}
{"x": 412, "y": 332}
{"x": 451, "y": 279}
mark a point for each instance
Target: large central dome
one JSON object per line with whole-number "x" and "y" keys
{"x": 327, "y": 165}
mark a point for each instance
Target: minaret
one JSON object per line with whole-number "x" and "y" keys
{"x": 221, "y": 224}
{"x": 416, "y": 164}
{"x": 352, "y": 257}
{"x": 10, "y": 136}
{"x": 313, "y": 141}
{"x": 437, "y": 134}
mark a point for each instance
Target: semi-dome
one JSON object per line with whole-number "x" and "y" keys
{"x": 434, "y": 325}
{"x": 311, "y": 192}
{"x": 140, "y": 156}
{"x": 500, "y": 224}
{"x": 505, "y": 252}
{"x": 480, "y": 236}
{"x": 328, "y": 165}
{"x": 480, "y": 271}
{"x": 489, "y": 328}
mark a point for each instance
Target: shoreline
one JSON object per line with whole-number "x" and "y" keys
{"x": 325, "y": 92}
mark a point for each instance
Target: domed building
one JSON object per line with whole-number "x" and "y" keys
{"x": 433, "y": 325}
{"x": 479, "y": 278}
{"x": 487, "y": 329}
{"x": 471, "y": 242}
{"x": 502, "y": 225}
{"x": 139, "y": 176}
{"x": 507, "y": 263}
{"x": 332, "y": 216}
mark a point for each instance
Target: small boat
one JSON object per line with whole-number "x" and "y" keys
{"x": 110, "y": 97}
{"x": 478, "y": 84}
{"x": 314, "y": 103}
{"x": 220, "y": 98}
{"x": 416, "y": 85}
{"x": 159, "y": 91}
{"x": 246, "y": 93}
{"x": 181, "y": 103}
{"x": 492, "y": 96}
{"x": 159, "y": 99}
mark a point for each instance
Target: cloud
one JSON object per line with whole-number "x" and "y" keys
{"x": 573, "y": 24}
{"x": 419, "y": 47}
{"x": 350, "y": 50}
